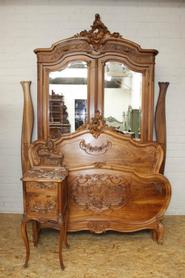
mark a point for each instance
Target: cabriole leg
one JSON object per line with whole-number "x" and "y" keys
{"x": 26, "y": 241}
{"x": 65, "y": 230}
{"x": 61, "y": 237}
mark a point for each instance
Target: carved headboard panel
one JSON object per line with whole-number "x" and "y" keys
{"x": 108, "y": 148}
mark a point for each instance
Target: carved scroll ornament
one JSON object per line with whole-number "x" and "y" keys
{"x": 44, "y": 153}
{"x": 95, "y": 150}
{"x": 98, "y": 34}
{"x": 96, "y": 125}
{"x": 100, "y": 192}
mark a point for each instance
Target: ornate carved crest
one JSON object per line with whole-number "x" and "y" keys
{"x": 95, "y": 125}
{"x": 98, "y": 33}
{"x": 100, "y": 192}
{"x": 95, "y": 150}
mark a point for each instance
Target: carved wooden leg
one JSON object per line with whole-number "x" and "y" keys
{"x": 26, "y": 241}
{"x": 65, "y": 230}
{"x": 61, "y": 237}
{"x": 158, "y": 233}
{"x": 35, "y": 232}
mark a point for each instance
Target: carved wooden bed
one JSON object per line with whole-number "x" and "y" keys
{"x": 114, "y": 181}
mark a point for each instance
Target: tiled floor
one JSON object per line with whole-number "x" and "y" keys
{"x": 110, "y": 255}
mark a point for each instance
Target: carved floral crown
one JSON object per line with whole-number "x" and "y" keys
{"x": 98, "y": 33}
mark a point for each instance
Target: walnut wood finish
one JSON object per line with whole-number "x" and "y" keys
{"x": 45, "y": 202}
{"x": 160, "y": 119}
{"x": 96, "y": 47}
{"x": 27, "y": 125}
{"x": 110, "y": 199}
{"x": 110, "y": 148}
{"x": 113, "y": 181}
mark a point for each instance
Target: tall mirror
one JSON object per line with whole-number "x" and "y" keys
{"x": 122, "y": 98}
{"x": 67, "y": 98}
{"x": 120, "y": 83}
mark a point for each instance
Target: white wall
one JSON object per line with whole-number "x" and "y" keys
{"x": 116, "y": 101}
{"x": 26, "y": 25}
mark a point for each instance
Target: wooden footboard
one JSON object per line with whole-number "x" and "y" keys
{"x": 104, "y": 199}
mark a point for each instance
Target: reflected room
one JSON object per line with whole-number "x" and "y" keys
{"x": 122, "y": 98}
{"x": 67, "y": 98}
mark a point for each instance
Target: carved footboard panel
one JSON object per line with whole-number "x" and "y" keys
{"x": 102, "y": 199}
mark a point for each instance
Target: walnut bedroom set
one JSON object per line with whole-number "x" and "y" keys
{"x": 94, "y": 176}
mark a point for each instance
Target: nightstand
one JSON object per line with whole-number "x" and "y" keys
{"x": 45, "y": 202}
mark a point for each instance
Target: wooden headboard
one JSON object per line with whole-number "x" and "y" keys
{"x": 83, "y": 148}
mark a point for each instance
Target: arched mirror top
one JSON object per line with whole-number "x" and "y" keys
{"x": 96, "y": 48}
{"x": 96, "y": 41}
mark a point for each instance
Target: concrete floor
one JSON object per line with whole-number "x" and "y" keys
{"x": 110, "y": 255}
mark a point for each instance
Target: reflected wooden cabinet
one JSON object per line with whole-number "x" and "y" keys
{"x": 58, "y": 116}
{"x": 96, "y": 98}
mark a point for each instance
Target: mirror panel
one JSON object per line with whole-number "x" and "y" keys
{"x": 122, "y": 98}
{"x": 67, "y": 98}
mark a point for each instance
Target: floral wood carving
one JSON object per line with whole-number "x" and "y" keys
{"x": 98, "y": 34}
{"x": 100, "y": 192}
{"x": 44, "y": 207}
{"x": 95, "y": 150}
{"x": 98, "y": 226}
{"x": 41, "y": 185}
{"x": 58, "y": 173}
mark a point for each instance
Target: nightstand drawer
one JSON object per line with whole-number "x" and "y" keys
{"x": 42, "y": 205}
{"x": 36, "y": 186}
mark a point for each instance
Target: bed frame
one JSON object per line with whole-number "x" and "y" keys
{"x": 114, "y": 181}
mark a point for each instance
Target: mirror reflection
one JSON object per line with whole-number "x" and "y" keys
{"x": 122, "y": 98}
{"x": 67, "y": 98}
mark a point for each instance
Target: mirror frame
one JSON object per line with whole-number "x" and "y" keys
{"x": 96, "y": 47}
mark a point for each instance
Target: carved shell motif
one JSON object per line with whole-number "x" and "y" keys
{"x": 100, "y": 192}
{"x": 98, "y": 34}
{"x": 98, "y": 226}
